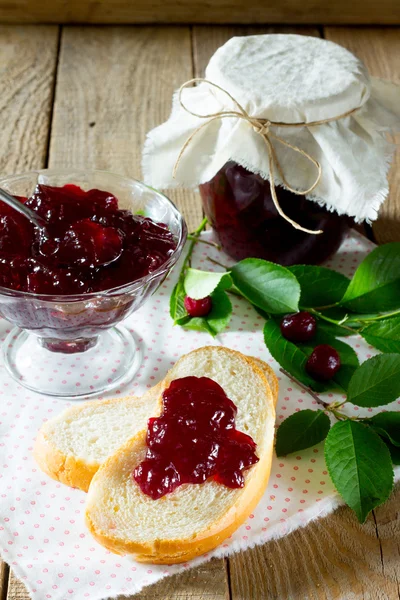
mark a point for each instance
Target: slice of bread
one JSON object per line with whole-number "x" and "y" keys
{"x": 71, "y": 447}
{"x": 272, "y": 379}
{"x": 194, "y": 518}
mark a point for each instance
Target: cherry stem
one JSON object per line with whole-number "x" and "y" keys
{"x": 194, "y": 239}
{"x": 198, "y": 240}
{"x": 305, "y": 388}
{"x": 330, "y": 407}
{"x": 338, "y": 415}
{"x": 379, "y": 317}
{"x": 329, "y": 320}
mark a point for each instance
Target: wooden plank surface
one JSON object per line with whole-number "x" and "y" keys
{"x": 113, "y": 85}
{"x": 380, "y": 51}
{"x": 27, "y": 66}
{"x": 28, "y": 58}
{"x": 197, "y": 11}
{"x": 4, "y": 574}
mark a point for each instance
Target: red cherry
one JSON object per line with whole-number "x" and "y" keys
{"x": 300, "y": 327}
{"x": 323, "y": 363}
{"x": 198, "y": 308}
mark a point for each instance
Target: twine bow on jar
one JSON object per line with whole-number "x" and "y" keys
{"x": 263, "y": 128}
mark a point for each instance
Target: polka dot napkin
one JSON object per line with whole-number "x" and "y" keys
{"x": 42, "y": 532}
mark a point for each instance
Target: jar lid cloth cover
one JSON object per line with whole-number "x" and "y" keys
{"x": 289, "y": 79}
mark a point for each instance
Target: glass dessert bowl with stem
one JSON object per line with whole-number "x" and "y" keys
{"x": 112, "y": 241}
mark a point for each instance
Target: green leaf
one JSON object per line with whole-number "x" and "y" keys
{"x": 217, "y": 320}
{"x": 271, "y": 287}
{"x": 177, "y": 308}
{"x": 375, "y": 286}
{"x": 376, "y": 382}
{"x": 360, "y": 466}
{"x": 319, "y": 286}
{"x": 301, "y": 430}
{"x": 287, "y": 354}
{"x": 334, "y": 330}
{"x": 199, "y": 284}
{"x": 386, "y": 424}
{"x": 384, "y": 335}
{"x": 293, "y": 357}
{"x": 394, "y": 452}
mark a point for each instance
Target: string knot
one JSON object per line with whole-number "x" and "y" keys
{"x": 263, "y": 128}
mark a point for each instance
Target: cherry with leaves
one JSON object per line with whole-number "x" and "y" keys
{"x": 368, "y": 305}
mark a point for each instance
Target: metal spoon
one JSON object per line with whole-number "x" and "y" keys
{"x": 38, "y": 221}
{"x": 24, "y": 210}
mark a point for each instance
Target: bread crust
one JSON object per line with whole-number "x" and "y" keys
{"x": 181, "y": 550}
{"x": 68, "y": 469}
{"x": 269, "y": 373}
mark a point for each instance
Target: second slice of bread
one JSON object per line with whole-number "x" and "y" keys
{"x": 71, "y": 447}
{"x": 194, "y": 518}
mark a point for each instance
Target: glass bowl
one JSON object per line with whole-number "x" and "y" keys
{"x": 54, "y": 335}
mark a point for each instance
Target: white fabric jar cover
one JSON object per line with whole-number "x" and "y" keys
{"x": 290, "y": 79}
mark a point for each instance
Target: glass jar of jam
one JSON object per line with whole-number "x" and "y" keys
{"x": 240, "y": 208}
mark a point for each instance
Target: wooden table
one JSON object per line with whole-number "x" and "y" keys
{"x": 86, "y": 96}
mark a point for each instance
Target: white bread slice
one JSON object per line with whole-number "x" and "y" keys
{"x": 270, "y": 376}
{"x": 194, "y": 518}
{"x": 71, "y": 447}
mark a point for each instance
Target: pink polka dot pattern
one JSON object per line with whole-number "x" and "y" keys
{"x": 42, "y": 532}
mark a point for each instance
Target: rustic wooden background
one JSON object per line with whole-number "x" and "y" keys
{"x": 87, "y": 96}
{"x": 384, "y": 12}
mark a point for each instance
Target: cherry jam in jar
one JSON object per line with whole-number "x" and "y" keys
{"x": 194, "y": 439}
{"x": 240, "y": 208}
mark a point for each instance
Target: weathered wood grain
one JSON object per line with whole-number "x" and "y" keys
{"x": 4, "y": 572}
{"x": 196, "y": 11}
{"x": 16, "y": 589}
{"x": 113, "y": 85}
{"x": 380, "y": 51}
{"x": 207, "y": 582}
{"x": 28, "y": 58}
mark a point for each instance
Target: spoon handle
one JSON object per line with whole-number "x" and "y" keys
{"x": 21, "y": 208}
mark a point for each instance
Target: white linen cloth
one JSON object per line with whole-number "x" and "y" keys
{"x": 291, "y": 79}
{"x": 42, "y": 531}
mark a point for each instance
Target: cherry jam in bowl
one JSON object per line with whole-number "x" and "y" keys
{"x": 109, "y": 243}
